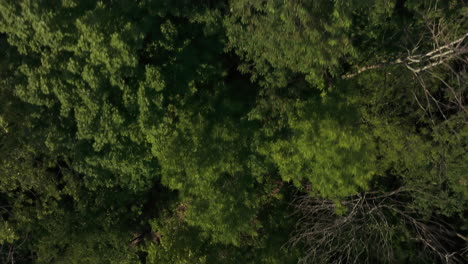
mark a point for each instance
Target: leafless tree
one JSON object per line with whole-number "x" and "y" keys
{"x": 447, "y": 65}
{"x": 365, "y": 228}
{"x": 438, "y": 61}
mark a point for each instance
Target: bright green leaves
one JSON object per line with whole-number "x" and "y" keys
{"x": 130, "y": 99}
{"x": 153, "y": 79}
{"x": 150, "y": 99}
{"x": 126, "y": 129}
{"x": 87, "y": 77}
{"x": 208, "y": 164}
{"x": 174, "y": 241}
{"x": 109, "y": 44}
{"x": 278, "y": 37}
{"x": 279, "y": 40}
{"x": 7, "y": 234}
{"x": 329, "y": 152}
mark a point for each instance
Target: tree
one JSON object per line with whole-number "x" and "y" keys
{"x": 178, "y": 131}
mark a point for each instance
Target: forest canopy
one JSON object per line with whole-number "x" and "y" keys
{"x": 235, "y": 131}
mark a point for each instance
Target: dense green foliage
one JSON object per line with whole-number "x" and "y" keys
{"x": 157, "y": 131}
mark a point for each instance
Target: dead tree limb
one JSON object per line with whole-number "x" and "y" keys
{"x": 367, "y": 228}
{"x": 430, "y": 59}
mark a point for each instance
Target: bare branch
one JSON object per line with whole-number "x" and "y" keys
{"x": 439, "y": 54}
{"x": 365, "y": 231}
